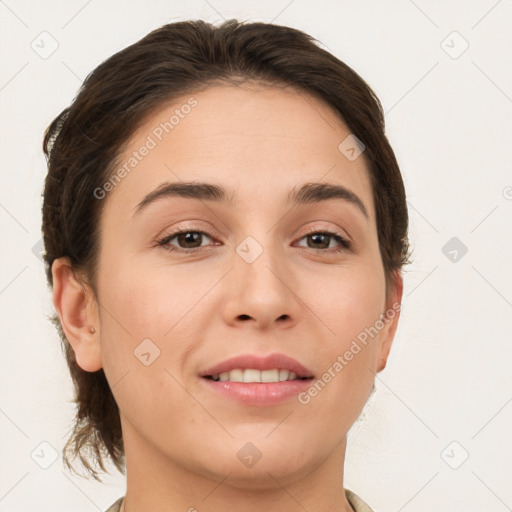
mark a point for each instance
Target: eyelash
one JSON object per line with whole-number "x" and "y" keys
{"x": 345, "y": 245}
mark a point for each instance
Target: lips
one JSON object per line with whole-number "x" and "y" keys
{"x": 253, "y": 361}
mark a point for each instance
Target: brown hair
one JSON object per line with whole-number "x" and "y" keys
{"x": 82, "y": 143}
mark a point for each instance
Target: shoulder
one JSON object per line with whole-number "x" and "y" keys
{"x": 115, "y": 507}
{"x": 356, "y": 502}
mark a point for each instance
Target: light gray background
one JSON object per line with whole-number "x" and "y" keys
{"x": 449, "y": 119}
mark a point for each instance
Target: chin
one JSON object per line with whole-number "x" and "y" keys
{"x": 263, "y": 477}
{"x": 250, "y": 467}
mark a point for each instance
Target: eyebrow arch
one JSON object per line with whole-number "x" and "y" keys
{"x": 308, "y": 193}
{"x": 316, "y": 192}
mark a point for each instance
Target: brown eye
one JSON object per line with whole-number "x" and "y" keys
{"x": 190, "y": 239}
{"x": 186, "y": 240}
{"x": 323, "y": 239}
{"x": 320, "y": 240}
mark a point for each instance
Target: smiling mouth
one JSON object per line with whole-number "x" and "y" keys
{"x": 251, "y": 375}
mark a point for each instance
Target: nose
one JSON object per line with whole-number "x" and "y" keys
{"x": 261, "y": 292}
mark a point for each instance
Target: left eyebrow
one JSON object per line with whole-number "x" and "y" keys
{"x": 316, "y": 192}
{"x": 308, "y": 193}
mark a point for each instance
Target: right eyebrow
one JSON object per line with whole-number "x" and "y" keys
{"x": 191, "y": 190}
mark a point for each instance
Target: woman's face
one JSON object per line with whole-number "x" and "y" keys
{"x": 251, "y": 277}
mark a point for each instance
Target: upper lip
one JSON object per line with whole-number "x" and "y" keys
{"x": 258, "y": 362}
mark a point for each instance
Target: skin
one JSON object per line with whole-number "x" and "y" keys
{"x": 181, "y": 439}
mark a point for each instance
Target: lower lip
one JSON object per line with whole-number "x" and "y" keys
{"x": 255, "y": 393}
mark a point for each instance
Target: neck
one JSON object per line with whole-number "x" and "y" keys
{"x": 157, "y": 482}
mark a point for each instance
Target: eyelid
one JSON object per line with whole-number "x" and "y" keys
{"x": 323, "y": 229}
{"x": 330, "y": 230}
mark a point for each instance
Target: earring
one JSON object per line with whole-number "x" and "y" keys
{"x": 92, "y": 329}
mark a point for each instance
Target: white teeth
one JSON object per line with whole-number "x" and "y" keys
{"x": 252, "y": 375}
{"x": 236, "y": 375}
{"x": 270, "y": 375}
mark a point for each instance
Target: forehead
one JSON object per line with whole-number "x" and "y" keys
{"x": 253, "y": 139}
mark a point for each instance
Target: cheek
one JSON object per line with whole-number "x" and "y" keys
{"x": 348, "y": 308}
{"x": 348, "y": 348}
{"x": 155, "y": 310}
{"x": 146, "y": 337}
{"x": 146, "y": 299}
{"x": 347, "y": 302}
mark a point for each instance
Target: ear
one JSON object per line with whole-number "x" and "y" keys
{"x": 76, "y": 308}
{"x": 391, "y": 316}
